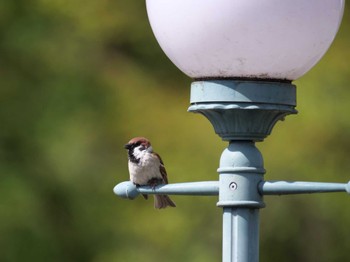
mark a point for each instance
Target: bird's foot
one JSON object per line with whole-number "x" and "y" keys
{"x": 153, "y": 182}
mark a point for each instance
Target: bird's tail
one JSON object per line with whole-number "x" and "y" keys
{"x": 162, "y": 201}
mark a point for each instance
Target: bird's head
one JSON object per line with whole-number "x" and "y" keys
{"x": 137, "y": 147}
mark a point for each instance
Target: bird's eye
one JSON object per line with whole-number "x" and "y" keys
{"x": 142, "y": 147}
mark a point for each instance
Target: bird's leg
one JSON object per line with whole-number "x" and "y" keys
{"x": 138, "y": 185}
{"x": 153, "y": 182}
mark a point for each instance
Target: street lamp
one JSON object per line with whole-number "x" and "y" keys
{"x": 243, "y": 56}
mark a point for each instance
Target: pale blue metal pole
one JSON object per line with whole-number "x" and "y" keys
{"x": 211, "y": 188}
{"x": 241, "y": 170}
{"x": 240, "y": 234}
{"x": 206, "y": 188}
{"x": 241, "y": 113}
{"x": 297, "y": 187}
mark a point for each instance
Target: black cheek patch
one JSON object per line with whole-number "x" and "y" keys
{"x": 132, "y": 158}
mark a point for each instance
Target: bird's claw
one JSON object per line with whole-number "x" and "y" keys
{"x": 154, "y": 182}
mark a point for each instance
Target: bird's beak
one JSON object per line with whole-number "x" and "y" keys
{"x": 127, "y": 146}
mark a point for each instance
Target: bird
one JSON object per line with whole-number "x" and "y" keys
{"x": 146, "y": 168}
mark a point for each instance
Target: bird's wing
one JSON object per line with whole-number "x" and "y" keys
{"x": 162, "y": 169}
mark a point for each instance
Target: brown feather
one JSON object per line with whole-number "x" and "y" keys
{"x": 162, "y": 201}
{"x": 162, "y": 169}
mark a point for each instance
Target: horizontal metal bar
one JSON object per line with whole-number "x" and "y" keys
{"x": 298, "y": 187}
{"x": 206, "y": 188}
{"x": 211, "y": 188}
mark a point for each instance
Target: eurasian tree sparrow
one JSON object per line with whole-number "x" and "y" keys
{"x": 147, "y": 168}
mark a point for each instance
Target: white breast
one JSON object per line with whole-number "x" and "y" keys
{"x": 147, "y": 169}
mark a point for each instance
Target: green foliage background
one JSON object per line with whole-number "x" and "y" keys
{"x": 80, "y": 78}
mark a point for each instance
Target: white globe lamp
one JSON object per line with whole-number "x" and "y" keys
{"x": 259, "y": 39}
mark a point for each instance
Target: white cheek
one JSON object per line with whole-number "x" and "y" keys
{"x": 139, "y": 153}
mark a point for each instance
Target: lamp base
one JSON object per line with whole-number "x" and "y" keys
{"x": 243, "y": 109}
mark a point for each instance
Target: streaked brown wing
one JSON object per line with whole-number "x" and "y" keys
{"x": 164, "y": 174}
{"x": 162, "y": 169}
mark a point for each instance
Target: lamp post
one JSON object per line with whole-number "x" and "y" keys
{"x": 243, "y": 56}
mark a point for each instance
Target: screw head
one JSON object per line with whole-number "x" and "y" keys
{"x": 233, "y": 186}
